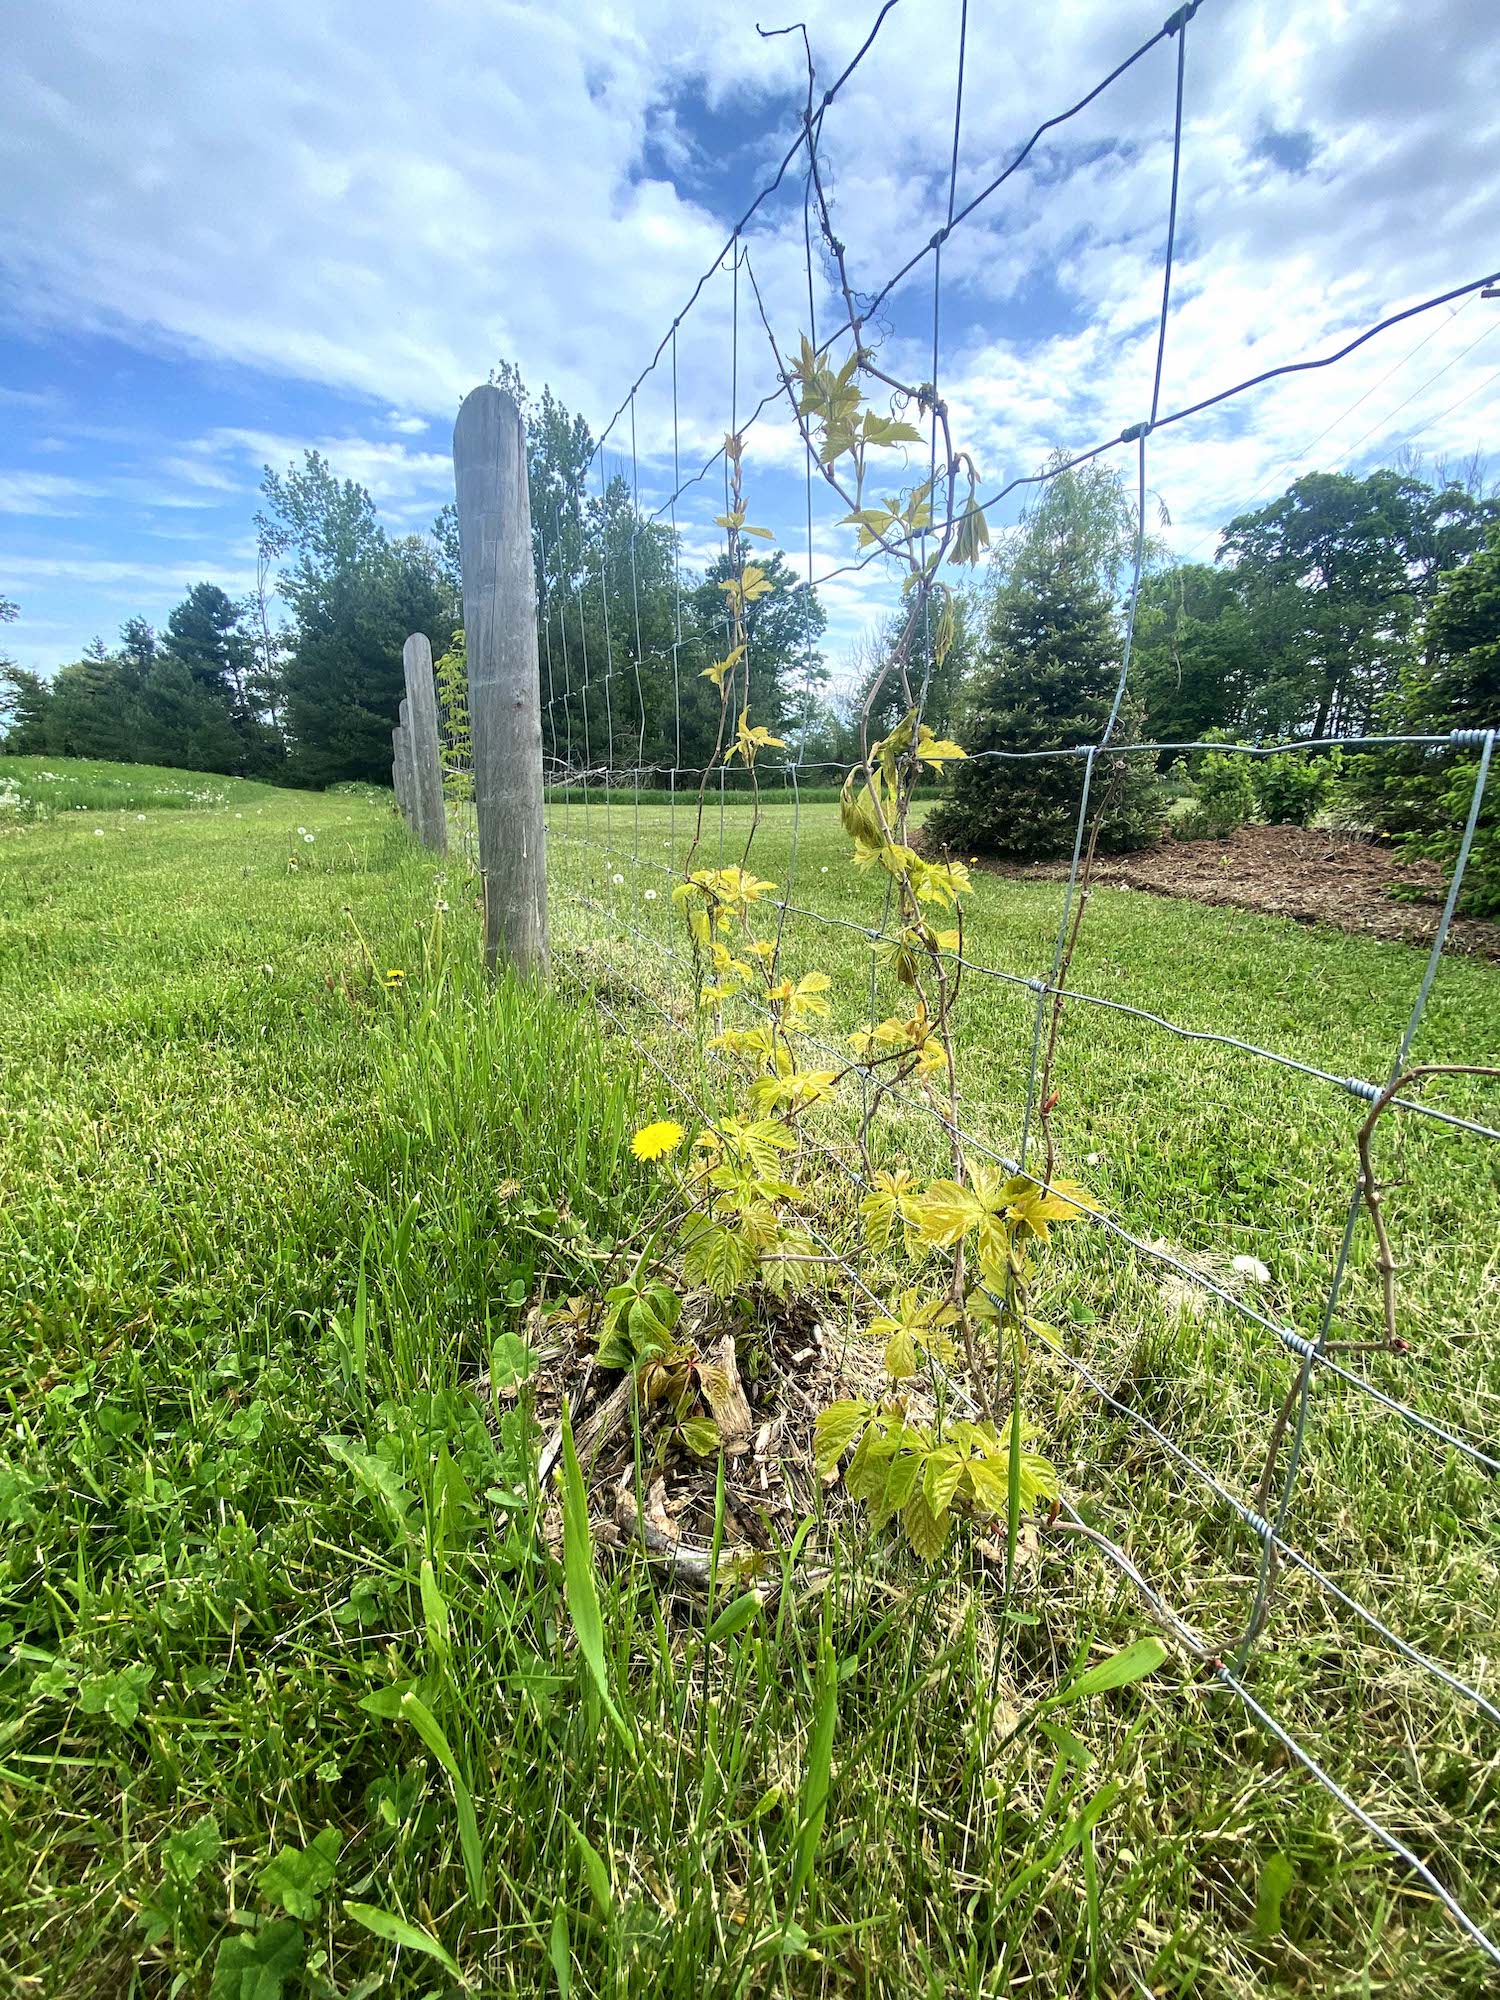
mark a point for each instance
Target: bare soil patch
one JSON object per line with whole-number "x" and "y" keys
{"x": 1310, "y": 874}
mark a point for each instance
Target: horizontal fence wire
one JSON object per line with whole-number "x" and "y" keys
{"x": 1482, "y": 1455}
{"x": 601, "y": 781}
{"x": 1257, "y": 1524}
{"x": 1359, "y": 1087}
{"x": 1170, "y": 1618}
{"x": 614, "y": 777}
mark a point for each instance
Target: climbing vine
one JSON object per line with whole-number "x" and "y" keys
{"x": 452, "y": 672}
{"x": 739, "y": 1224}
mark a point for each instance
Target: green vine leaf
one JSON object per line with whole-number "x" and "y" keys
{"x": 886, "y": 1204}
{"x": 925, "y": 1530}
{"x": 701, "y": 1436}
{"x": 834, "y": 1431}
{"x": 718, "y": 1257}
{"x": 941, "y": 1477}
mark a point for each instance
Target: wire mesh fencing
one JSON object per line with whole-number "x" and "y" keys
{"x": 1239, "y": 1440}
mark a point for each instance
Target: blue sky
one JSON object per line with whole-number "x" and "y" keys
{"x": 229, "y": 234}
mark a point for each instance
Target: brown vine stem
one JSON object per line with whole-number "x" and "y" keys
{"x": 911, "y": 550}
{"x": 1370, "y": 1194}
{"x": 1046, "y": 1095}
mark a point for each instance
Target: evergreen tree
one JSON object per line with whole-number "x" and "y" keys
{"x": 93, "y": 707}
{"x": 356, "y": 597}
{"x": 180, "y": 722}
{"x": 1051, "y": 666}
{"x": 201, "y": 688}
{"x": 137, "y": 648}
{"x": 25, "y": 712}
{"x": 206, "y": 635}
{"x": 25, "y": 701}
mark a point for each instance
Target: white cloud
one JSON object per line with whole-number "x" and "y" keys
{"x": 408, "y": 486}
{"x": 386, "y": 202}
{"x": 43, "y": 493}
{"x": 126, "y": 573}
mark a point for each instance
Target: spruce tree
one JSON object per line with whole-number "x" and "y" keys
{"x": 181, "y": 722}
{"x": 356, "y": 596}
{"x": 1052, "y": 663}
{"x": 205, "y": 633}
{"x": 92, "y": 712}
{"x": 25, "y": 712}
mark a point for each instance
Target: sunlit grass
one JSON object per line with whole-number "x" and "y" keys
{"x": 1208, "y": 1154}
{"x": 41, "y": 787}
{"x": 263, "y": 1215}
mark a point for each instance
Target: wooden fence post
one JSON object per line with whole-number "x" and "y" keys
{"x": 402, "y": 742}
{"x": 422, "y": 742}
{"x": 505, "y": 700}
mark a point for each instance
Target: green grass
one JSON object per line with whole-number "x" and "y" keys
{"x": 1209, "y": 1154}
{"x": 775, "y": 790}
{"x": 42, "y": 787}
{"x": 262, "y": 1218}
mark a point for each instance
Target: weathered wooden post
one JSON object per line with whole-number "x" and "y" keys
{"x": 505, "y": 699}
{"x": 422, "y": 742}
{"x": 402, "y": 741}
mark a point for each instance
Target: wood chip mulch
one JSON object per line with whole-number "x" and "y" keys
{"x": 1310, "y": 874}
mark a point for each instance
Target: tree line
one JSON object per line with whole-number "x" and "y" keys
{"x": 310, "y": 702}
{"x": 625, "y": 631}
{"x": 1348, "y": 607}
{"x": 1344, "y": 607}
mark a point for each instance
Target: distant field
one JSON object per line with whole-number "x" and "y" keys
{"x": 277, "y": 1173}
{"x": 42, "y": 786}
{"x": 779, "y": 789}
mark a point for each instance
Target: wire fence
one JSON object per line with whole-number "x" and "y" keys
{"x": 639, "y": 823}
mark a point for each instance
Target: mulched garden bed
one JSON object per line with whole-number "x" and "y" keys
{"x": 1307, "y": 873}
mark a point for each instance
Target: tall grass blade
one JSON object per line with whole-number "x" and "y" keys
{"x": 559, "y": 1953}
{"x": 595, "y": 1868}
{"x": 396, "y": 1930}
{"x": 415, "y": 1711}
{"x": 578, "y": 1573}
{"x": 814, "y": 1801}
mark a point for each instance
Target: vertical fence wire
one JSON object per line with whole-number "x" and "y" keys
{"x": 1096, "y": 762}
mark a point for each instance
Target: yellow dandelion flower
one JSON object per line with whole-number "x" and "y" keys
{"x": 394, "y": 977}
{"x": 655, "y": 1141}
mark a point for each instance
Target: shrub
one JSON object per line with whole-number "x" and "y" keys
{"x": 1290, "y": 789}
{"x": 1440, "y": 842}
{"x": 1225, "y": 798}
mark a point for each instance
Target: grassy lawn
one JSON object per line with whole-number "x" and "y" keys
{"x": 43, "y": 787}
{"x": 293, "y": 1697}
{"x": 1208, "y": 1154}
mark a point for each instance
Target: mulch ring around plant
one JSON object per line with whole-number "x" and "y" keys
{"x": 1310, "y": 874}
{"x": 786, "y": 1364}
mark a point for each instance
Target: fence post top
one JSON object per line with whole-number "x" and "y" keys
{"x": 417, "y": 651}
{"x": 484, "y": 406}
